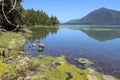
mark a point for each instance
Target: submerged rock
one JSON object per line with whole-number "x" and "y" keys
{"x": 83, "y": 61}
{"x": 40, "y": 49}
{"x": 34, "y": 45}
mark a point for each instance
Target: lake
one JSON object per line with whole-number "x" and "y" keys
{"x": 100, "y": 45}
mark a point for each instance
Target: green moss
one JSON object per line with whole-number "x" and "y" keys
{"x": 49, "y": 71}
{"x": 11, "y": 40}
{"x": 3, "y": 67}
{"x": 59, "y": 72}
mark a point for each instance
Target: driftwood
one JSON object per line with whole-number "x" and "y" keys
{"x": 0, "y": 0}
{"x": 13, "y": 5}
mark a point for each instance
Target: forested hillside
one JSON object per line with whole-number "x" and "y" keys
{"x": 12, "y": 15}
{"x": 32, "y": 17}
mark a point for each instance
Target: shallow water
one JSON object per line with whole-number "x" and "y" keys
{"x": 102, "y": 46}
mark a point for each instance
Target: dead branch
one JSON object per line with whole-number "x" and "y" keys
{"x": 5, "y": 14}
{"x": 13, "y": 6}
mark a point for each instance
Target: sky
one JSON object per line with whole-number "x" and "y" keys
{"x": 66, "y": 10}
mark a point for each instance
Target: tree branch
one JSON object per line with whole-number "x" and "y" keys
{"x": 13, "y": 6}
{"x": 5, "y": 14}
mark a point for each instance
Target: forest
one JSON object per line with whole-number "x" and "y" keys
{"x": 13, "y": 16}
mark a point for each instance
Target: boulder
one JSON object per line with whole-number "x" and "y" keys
{"x": 42, "y": 46}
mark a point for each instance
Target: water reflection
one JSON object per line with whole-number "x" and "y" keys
{"x": 38, "y": 34}
{"x": 41, "y": 32}
{"x": 81, "y": 42}
{"x": 101, "y": 34}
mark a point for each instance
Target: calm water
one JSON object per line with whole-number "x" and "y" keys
{"x": 102, "y": 47}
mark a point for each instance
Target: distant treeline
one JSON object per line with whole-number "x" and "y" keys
{"x": 32, "y": 17}
{"x": 13, "y": 15}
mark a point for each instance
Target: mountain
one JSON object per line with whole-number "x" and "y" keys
{"x": 99, "y": 16}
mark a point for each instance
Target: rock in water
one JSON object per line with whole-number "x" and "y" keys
{"x": 34, "y": 45}
{"x": 40, "y": 49}
{"x": 42, "y": 46}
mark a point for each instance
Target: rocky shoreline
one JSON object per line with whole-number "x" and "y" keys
{"x": 18, "y": 65}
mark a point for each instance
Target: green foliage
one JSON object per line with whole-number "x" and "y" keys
{"x": 32, "y": 17}
{"x": 13, "y": 16}
{"x": 54, "y": 20}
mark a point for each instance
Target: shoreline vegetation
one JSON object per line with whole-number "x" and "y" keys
{"x": 18, "y": 65}
{"x": 15, "y": 64}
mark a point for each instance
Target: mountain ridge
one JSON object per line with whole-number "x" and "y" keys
{"x": 99, "y": 16}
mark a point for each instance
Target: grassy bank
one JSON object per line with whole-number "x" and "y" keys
{"x": 17, "y": 65}
{"x": 10, "y": 43}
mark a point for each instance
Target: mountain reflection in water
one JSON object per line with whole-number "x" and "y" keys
{"x": 101, "y": 34}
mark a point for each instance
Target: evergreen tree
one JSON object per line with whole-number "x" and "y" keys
{"x": 12, "y": 15}
{"x": 54, "y": 21}
{"x": 32, "y": 17}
